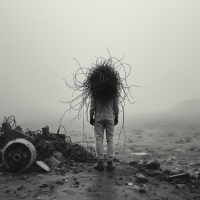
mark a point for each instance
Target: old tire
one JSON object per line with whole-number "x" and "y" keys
{"x": 18, "y": 155}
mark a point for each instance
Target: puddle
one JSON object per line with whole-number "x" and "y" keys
{"x": 140, "y": 154}
{"x": 178, "y": 150}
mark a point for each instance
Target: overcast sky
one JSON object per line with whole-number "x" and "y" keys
{"x": 39, "y": 39}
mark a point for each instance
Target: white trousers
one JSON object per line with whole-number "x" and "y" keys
{"x": 107, "y": 124}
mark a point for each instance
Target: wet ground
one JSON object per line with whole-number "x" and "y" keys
{"x": 174, "y": 148}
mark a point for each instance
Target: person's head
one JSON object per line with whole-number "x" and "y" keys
{"x": 104, "y": 82}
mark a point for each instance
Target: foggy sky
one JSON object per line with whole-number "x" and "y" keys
{"x": 39, "y": 39}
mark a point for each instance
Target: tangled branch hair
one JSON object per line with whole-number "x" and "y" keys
{"x": 103, "y": 82}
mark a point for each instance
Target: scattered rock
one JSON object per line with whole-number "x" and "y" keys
{"x": 180, "y": 186}
{"x": 142, "y": 190}
{"x": 153, "y": 165}
{"x": 20, "y": 188}
{"x": 24, "y": 177}
{"x": 193, "y": 149}
{"x": 174, "y": 171}
{"x": 135, "y": 187}
{"x": 140, "y": 163}
{"x": 195, "y": 164}
{"x": 141, "y": 178}
{"x": 44, "y": 185}
{"x": 180, "y": 141}
{"x": 133, "y": 163}
{"x": 188, "y": 140}
{"x": 60, "y": 182}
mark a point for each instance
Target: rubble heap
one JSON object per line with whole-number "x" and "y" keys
{"x": 152, "y": 168}
{"x": 51, "y": 148}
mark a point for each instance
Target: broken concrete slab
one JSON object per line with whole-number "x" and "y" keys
{"x": 42, "y": 165}
{"x": 52, "y": 161}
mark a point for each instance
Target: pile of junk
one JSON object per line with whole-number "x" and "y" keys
{"x": 20, "y": 150}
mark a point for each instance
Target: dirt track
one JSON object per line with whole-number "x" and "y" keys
{"x": 173, "y": 148}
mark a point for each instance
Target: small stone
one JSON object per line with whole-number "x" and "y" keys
{"x": 180, "y": 186}
{"x": 59, "y": 182}
{"x": 174, "y": 171}
{"x": 20, "y": 188}
{"x": 144, "y": 185}
{"x": 133, "y": 163}
{"x": 135, "y": 187}
{"x": 24, "y": 177}
{"x": 142, "y": 190}
{"x": 141, "y": 177}
{"x": 118, "y": 184}
{"x": 44, "y": 185}
{"x": 152, "y": 164}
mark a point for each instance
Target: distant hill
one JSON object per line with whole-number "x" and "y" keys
{"x": 186, "y": 113}
{"x": 188, "y": 108}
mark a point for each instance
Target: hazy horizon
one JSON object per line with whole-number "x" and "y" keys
{"x": 40, "y": 39}
{"x": 179, "y": 115}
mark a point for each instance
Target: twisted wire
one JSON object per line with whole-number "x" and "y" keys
{"x": 103, "y": 81}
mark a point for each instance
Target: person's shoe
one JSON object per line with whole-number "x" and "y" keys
{"x": 99, "y": 166}
{"x": 110, "y": 165}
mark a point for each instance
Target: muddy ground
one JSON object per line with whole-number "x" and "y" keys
{"x": 174, "y": 148}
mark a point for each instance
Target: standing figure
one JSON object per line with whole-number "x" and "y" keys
{"x": 104, "y": 90}
{"x": 104, "y": 116}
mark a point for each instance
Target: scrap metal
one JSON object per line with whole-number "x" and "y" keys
{"x": 44, "y": 143}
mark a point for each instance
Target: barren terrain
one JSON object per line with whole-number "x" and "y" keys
{"x": 175, "y": 148}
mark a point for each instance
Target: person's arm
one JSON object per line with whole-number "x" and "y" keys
{"x": 116, "y": 110}
{"x": 92, "y": 110}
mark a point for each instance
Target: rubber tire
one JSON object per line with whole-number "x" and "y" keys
{"x": 26, "y": 143}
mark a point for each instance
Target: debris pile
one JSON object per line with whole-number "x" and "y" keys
{"x": 46, "y": 148}
{"x": 152, "y": 168}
